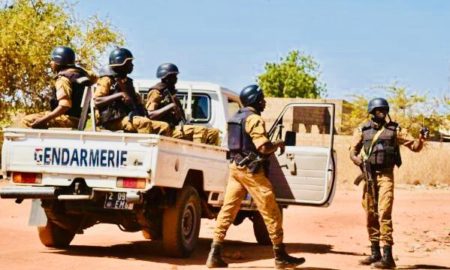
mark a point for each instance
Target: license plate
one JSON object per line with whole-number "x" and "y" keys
{"x": 117, "y": 200}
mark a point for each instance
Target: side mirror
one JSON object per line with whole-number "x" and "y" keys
{"x": 290, "y": 138}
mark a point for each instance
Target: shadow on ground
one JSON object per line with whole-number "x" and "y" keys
{"x": 422, "y": 266}
{"x": 234, "y": 252}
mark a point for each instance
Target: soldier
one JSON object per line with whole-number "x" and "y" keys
{"x": 162, "y": 104}
{"x": 249, "y": 148}
{"x": 67, "y": 94}
{"x": 375, "y": 148}
{"x": 120, "y": 107}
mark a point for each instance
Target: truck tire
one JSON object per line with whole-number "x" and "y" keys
{"x": 181, "y": 224}
{"x": 260, "y": 229}
{"x": 52, "y": 235}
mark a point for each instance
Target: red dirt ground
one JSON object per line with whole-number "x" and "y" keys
{"x": 329, "y": 238}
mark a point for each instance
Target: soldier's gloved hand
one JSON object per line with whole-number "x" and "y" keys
{"x": 424, "y": 132}
{"x": 281, "y": 145}
{"x": 357, "y": 160}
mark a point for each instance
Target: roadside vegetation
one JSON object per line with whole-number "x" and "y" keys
{"x": 29, "y": 30}
{"x": 408, "y": 108}
{"x": 296, "y": 75}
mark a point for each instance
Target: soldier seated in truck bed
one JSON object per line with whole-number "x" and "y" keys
{"x": 66, "y": 95}
{"x": 120, "y": 108}
{"x": 162, "y": 104}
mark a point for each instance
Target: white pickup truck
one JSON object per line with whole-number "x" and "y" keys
{"x": 150, "y": 183}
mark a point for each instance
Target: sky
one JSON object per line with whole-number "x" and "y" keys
{"x": 359, "y": 44}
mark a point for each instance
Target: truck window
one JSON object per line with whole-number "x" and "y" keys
{"x": 143, "y": 91}
{"x": 201, "y": 107}
{"x": 201, "y": 104}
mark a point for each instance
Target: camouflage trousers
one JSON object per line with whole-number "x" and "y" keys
{"x": 140, "y": 125}
{"x": 190, "y": 133}
{"x": 199, "y": 134}
{"x": 240, "y": 182}
{"x": 62, "y": 121}
{"x": 212, "y": 136}
{"x": 379, "y": 217}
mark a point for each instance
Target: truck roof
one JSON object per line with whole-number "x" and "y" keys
{"x": 142, "y": 83}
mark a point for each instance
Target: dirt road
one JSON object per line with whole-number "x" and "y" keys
{"x": 329, "y": 238}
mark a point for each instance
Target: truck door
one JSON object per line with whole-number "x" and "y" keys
{"x": 305, "y": 174}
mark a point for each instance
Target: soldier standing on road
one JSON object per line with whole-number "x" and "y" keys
{"x": 70, "y": 82}
{"x": 163, "y": 105}
{"x": 249, "y": 148}
{"x": 375, "y": 147}
{"x": 120, "y": 107}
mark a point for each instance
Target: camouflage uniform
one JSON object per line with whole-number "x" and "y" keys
{"x": 63, "y": 96}
{"x": 195, "y": 133}
{"x": 241, "y": 181}
{"x": 379, "y": 219}
{"x": 139, "y": 124}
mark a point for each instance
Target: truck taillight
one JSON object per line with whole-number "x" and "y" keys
{"x": 129, "y": 182}
{"x": 26, "y": 178}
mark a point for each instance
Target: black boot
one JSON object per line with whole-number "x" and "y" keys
{"x": 374, "y": 257}
{"x": 283, "y": 260}
{"x": 215, "y": 256}
{"x": 387, "y": 262}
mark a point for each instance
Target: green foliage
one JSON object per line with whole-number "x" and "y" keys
{"x": 410, "y": 110}
{"x": 401, "y": 101}
{"x": 29, "y": 30}
{"x": 296, "y": 75}
{"x": 354, "y": 113}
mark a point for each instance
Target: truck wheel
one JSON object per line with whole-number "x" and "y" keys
{"x": 181, "y": 224}
{"x": 260, "y": 229}
{"x": 54, "y": 236}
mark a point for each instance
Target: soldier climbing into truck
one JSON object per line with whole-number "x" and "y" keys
{"x": 247, "y": 136}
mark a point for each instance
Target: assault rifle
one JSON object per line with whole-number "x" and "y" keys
{"x": 367, "y": 175}
{"x": 136, "y": 108}
{"x": 179, "y": 112}
{"x": 254, "y": 161}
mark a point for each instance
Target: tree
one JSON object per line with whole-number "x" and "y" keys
{"x": 297, "y": 75}
{"x": 403, "y": 102}
{"x": 29, "y": 30}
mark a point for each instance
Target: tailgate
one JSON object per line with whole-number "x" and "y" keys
{"x": 62, "y": 154}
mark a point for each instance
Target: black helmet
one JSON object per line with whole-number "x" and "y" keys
{"x": 166, "y": 69}
{"x": 63, "y": 56}
{"x": 119, "y": 56}
{"x": 378, "y": 103}
{"x": 251, "y": 95}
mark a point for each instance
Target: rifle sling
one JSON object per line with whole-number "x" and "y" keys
{"x": 365, "y": 155}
